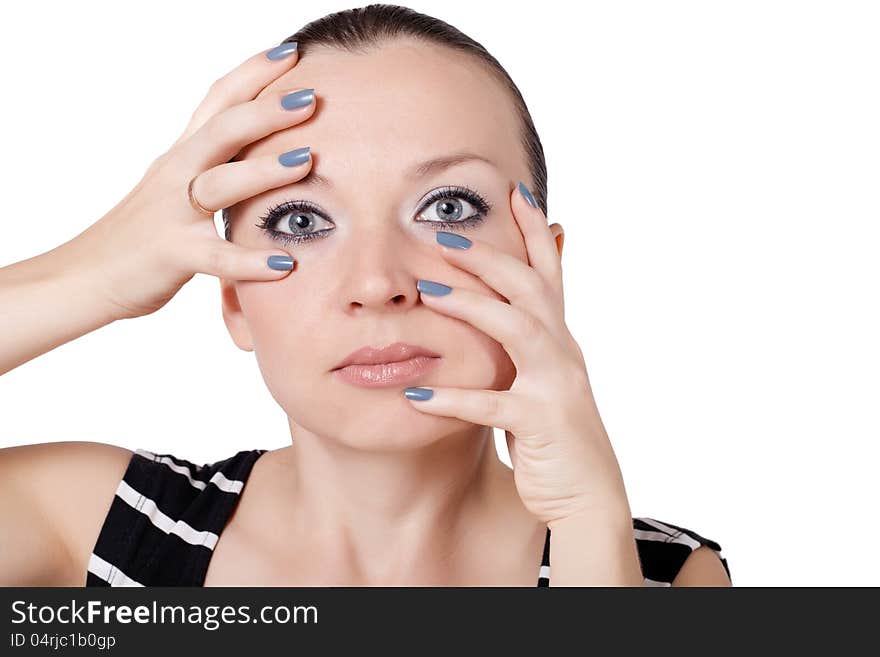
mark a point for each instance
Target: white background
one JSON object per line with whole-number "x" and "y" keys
{"x": 715, "y": 166}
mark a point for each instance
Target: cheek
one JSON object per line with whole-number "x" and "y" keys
{"x": 510, "y": 240}
{"x": 278, "y": 314}
{"x": 287, "y": 330}
{"x": 495, "y": 369}
{"x": 504, "y": 234}
{"x": 482, "y": 361}
{"x": 474, "y": 360}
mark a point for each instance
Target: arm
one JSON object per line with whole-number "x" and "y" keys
{"x": 130, "y": 263}
{"x": 53, "y": 501}
{"x": 135, "y": 258}
{"x": 702, "y": 568}
{"x": 587, "y": 551}
{"x": 612, "y": 553}
{"x": 46, "y": 301}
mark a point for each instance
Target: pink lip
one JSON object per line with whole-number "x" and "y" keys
{"x": 396, "y": 364}
{"x": 387, "y": 374}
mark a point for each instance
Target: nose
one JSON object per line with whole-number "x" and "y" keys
{"x": 381, "y": 270}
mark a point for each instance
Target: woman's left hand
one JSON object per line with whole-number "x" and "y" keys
{"x": 563, "y": 463}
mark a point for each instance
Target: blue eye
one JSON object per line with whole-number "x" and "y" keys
{"x": 449, "y": 211}
{"x": 303, "y": 219}
{"x": 301, "y": 216}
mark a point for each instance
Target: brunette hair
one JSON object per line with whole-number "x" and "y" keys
{"x": 355, "y": 30}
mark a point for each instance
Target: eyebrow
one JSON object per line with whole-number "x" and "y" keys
{"x": 420, "y": 170}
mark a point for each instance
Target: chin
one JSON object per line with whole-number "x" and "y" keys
{"x": 382, "y": 427}
{"x": 395, "y": 426}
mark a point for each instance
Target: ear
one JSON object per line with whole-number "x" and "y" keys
{"x": 559, "y": 236}
{"x": 234, "y": 318}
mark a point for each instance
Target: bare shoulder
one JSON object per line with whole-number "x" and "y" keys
{"x": 703, "y": 567}
{"x": 72, "y": 485}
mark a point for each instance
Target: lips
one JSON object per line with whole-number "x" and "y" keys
{"x": 393, "y": 353}
{"x": 397, "y": 364}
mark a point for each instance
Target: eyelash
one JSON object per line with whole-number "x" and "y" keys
{"x": 284, "y": 208}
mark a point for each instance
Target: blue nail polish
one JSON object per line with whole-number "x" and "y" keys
{"x": 299, "y": 98}
{"x": 295, "y": 157}
{"x": 282, "y": 50}
{"x": 280, "y": 262}
{"x": 430, "y": 287}
{"x": 527, "y": 194}
{"x": 453, "y": 240}
{"x": 419, "y": 394}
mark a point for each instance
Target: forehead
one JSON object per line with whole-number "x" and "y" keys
{"x": 404, "y": 100}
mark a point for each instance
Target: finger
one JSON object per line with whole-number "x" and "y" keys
{"x": 540, "y": 242}
{"x": 489, "y": 408}
{"x": 226, "y": 184}
{"x": 226, "y": 133}
{"x": 523, "y": 336}
{"x": 512, "y": 278}
{"x": 243, "y": 83}
{"x": 511, "y": 450}
{"x": 230, "y": 261}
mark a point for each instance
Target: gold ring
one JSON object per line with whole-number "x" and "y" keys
{"x": 193, "y": 201}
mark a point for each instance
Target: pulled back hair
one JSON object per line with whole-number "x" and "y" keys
{"x": 356, "y": 30}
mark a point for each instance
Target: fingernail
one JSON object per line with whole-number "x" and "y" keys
{"x": 453, "y": 240}
{"x": 280, "y": 262}
{"x": 282, "y": 50}
{"x": 430, "y": 287}
{"x": 527, "y": 194}
{"x": 419, "y": 394}
{"x": 295, "y": 157}
{"x": 299, "y": 98}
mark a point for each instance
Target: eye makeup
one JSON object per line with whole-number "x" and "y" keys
{"x": 304, "y": 215}
{"x": 299, "y": 212}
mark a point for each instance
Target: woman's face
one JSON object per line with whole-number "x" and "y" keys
{"x": 378, "y": 117}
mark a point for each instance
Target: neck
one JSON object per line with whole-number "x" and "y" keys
{"x": 408, "y": 515}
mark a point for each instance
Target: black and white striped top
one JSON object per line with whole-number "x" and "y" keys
{"x": 168, "y": 513}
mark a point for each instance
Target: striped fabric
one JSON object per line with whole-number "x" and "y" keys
{"x": 165, "y": 520}
{"x": 168, "y": 513}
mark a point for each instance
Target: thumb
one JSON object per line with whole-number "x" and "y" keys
{"x": 233, "y": 262}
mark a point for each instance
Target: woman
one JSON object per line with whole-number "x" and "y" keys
{"x": 393, "y": 342}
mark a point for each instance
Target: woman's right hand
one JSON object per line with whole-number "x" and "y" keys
{"x": 154, "y": 241}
